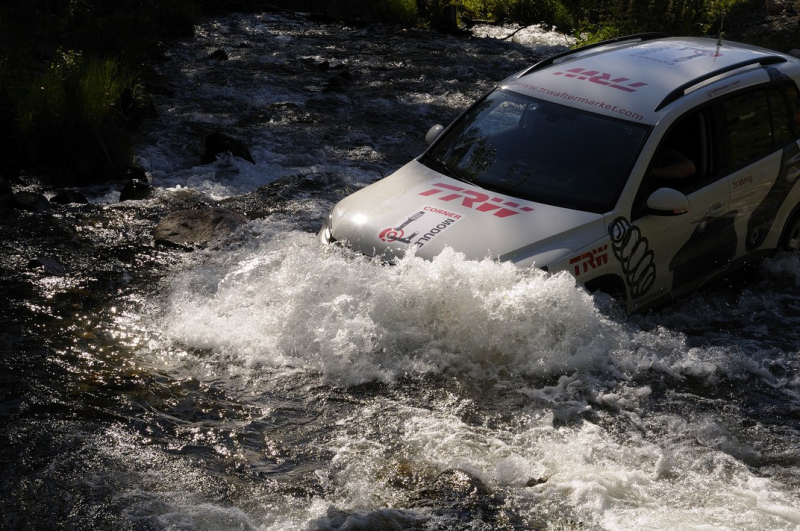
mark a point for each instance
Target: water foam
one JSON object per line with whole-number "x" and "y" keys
{"x": 673, "y": 478}
{"x": 283, "y": 300}
{"x": 288, "y": 301}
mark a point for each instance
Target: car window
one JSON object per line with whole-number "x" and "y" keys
{"x": 793, "y": 104}
{"x": 779, "y": 113}
{"x": 759, "y": 121}
{"x": 683, "y": 160}
{"x": 748, "y": 127}
{"x": 540, "y": 151}
{"x": 504, "y": 116}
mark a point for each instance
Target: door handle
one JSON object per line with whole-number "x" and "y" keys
{"x": 716, "y": 208}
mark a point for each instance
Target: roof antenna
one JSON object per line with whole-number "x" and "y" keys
{"x": 721, "y": 33}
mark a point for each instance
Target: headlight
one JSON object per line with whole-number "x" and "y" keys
{"x": 325, "y": 235}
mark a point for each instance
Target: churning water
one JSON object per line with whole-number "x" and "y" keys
{"x": 269, "y": 382}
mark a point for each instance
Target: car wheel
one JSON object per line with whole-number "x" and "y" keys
{"x": 610, "y": 284}
{"x": 791, "y": 235}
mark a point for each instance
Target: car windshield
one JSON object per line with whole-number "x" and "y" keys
{"x": 540, "y": 151}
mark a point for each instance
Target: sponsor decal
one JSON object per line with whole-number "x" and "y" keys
{"x": 582, "y": 101}
{"x": 397, "y": 234}
{"x": 420, "y": 227}
{"x": 742, "y": 181}
{"x": 633, "y": 252}
{"x": 476, "y": 200}
{"x": 601, "y": 78}
{"x": 723, "y": 89}
{"x": 590, "y": 260}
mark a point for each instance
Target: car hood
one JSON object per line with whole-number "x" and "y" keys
{"x": 419, "y": 208}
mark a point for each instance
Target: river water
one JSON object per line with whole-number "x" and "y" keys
{"x": 267, "y": 382}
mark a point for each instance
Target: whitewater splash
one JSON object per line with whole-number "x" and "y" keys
{"x": 290, "y": 302}
{"x": 284, "y": 303}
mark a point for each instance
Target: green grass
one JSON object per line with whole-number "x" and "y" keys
{"x": 71, "y": 116}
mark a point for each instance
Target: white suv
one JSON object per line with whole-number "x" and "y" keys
{"x": 644, "y": 166}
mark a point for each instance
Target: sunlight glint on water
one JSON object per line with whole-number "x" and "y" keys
{"x": 290, "y": 302}
{"x": 285, "y": 303}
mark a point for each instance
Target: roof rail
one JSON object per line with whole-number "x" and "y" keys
{"x": 550, "y": 60}
{"x": 681, "y": 91}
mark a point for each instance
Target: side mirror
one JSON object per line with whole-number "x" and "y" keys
{"x": 668, "y": 202}
{"x": 433, "y": 133}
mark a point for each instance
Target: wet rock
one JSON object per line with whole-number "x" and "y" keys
{"x": 761, "y": 30}
{"x": 51, "y": 266}
{"x": 31, "y": 202}
{"x": 155, "y": 83}
{"x": 197, "y": 226}
{"x": 218, "y": 55}
{"x": 217, "y": 143}
{"x": 289, "y": 196}
{"x": 135, "y": 189}
{"x": 455, "y": 485}
{"x": 135, "y": 172}
{"x": 65, "y": 197}
{"x": 775, "y": 6}
{"x": 339, "y": 82}
{"x": 383, "y": 519}
{"x": 459, "y": 495}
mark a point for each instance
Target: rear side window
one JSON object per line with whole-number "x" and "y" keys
{"x": 779, "y": 112}
{"x": 759, "y": 121}
{"x": 748, "y": 125}
{"x": 793, "y": 104}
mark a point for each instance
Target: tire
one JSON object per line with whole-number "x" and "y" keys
{"x": 791, "y": 235}
{"x": 610, "y": 284}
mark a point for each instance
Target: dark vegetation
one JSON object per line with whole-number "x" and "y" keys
{"x": 74, "y": 86}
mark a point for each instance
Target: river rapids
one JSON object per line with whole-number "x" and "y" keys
{"x": 266, "y": 382}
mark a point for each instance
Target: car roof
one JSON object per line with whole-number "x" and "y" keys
{"x": 639, "y": 77}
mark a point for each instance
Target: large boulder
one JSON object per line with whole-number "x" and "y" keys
{"x": 49, "y": 265}
{"x": 217, "y": 143}
{"x": 197, "y": 227}
{"x": 32, "y": 202}
{"x": 775, "y": 6}
{"x": 135, "y": 189}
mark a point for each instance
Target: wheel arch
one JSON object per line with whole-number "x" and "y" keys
{"x": 610, "y": 283}
{"x": 792, "y": 219}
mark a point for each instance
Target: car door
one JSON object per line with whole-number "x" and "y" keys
{"x": 763, "y": 158}
{"x": 688, "y": 248}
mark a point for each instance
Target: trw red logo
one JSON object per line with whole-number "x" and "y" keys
{"x": 590, "y": 260}
{"x": 603, "y": 78}
{"x": 476, "y": 200}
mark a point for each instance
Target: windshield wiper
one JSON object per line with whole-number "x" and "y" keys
{"x": 442, "y": 167}
{"x": 447, "y": 170}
